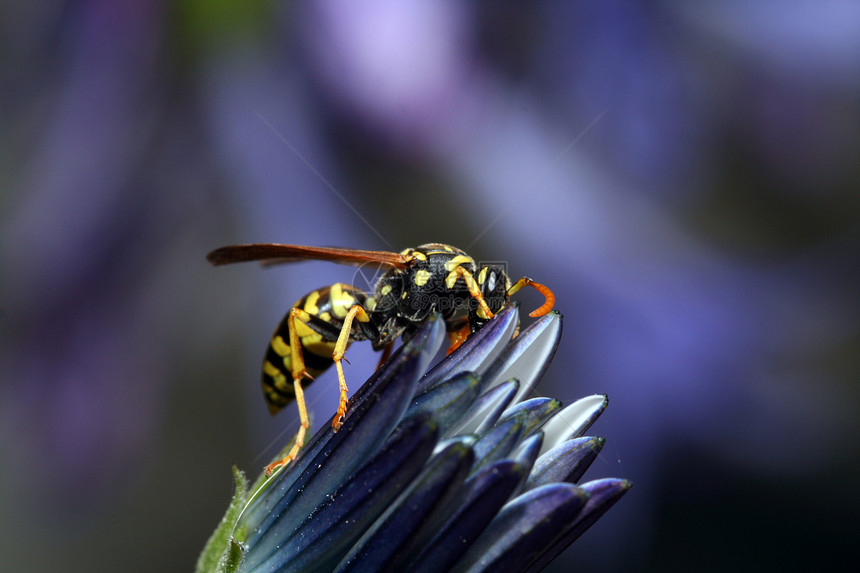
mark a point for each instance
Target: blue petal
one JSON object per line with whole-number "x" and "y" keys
{"x": 603, "y": 494}
{"x": 334, "y": 509}
{"x": 527, "y": 451}
{"x": 467, "y": 440}
{"x": 487, "y": 492}
{"x": 525, "y": 454}
{"x": 499, "y": 442}
{"x": 574, "y": 420}
{"x": 487, "y": 408}
{"x": 479, "y": 350}
{"x": 327, "y": 534}
{"x": 390, "y": 540}
{"x": 523, "y": 529}
{"x": 528, "y": 355}
{"x": 376, "y": 410}
{"x": 447, "y": 401}
{"x": 537, "y": 410}
{"x": 565, "y": 462}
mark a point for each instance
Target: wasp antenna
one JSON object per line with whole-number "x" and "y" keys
{"x": 544, "y": 290}
{"x": 546, "y": 306}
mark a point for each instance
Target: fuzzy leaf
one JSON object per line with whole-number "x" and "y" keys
{"x": 222, "y": 554}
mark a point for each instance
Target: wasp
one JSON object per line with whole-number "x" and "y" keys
{"x": 417, "y": 282}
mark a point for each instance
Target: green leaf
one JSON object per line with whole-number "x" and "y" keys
{"x": 222, "y": 553}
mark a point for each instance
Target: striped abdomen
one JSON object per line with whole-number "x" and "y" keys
{"x": 329, "y": 305}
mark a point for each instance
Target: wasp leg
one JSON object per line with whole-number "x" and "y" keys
{"x": 299, "y": 373}
{"x": 337, "y": 356}
{"x": 300, "y": 435}
{"x": 386, "y": 354}
{"x": 473, "y": 287}
{"x": 458, "y": 335}
{"x": 545, "y": 291}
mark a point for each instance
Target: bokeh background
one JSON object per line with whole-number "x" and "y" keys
{"x": 684, "y": 175}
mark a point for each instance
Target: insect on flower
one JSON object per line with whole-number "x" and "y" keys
{"x": 318, "y": 328}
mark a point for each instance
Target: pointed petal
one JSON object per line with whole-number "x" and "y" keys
{"x": 447, "y": 401}
{"x": 331, "y": 457}
{"x": 498, "y": 442}
{"x": 326, "y": 535}
{"x": 537, "y": 410}
{"x": 527, "y": 451}
{"x": 603, "y": 494}
{"x": 479, "y": 350}
{"x": 487, "y": 409}
{"x": 389, "y": 540}
{"x": 466, "y": 440}
{"x": 525, "y": 454}
{"x": 574, "y": 420}
{"x": 487, "y": 492}
{"x": 524, "y": 528}
{"x": 565, "y": 462}
{"x": 528, "y": 355}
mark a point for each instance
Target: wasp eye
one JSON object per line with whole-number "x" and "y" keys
{"x": 491, "y": 281}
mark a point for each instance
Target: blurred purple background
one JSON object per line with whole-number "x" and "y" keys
{"x": 684, "y": 176}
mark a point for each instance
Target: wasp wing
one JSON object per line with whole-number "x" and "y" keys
{"x": 274, "y": 254}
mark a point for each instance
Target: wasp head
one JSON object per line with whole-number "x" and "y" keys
{"x": 494, "y": 284}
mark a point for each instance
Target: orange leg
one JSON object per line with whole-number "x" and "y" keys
{"x": 337, "y": 356}
{"x": 386, "y": 354}
{"x": 300, "y": 436}
{"x": 299, "y": 373}
{"x": 458, "y": 337}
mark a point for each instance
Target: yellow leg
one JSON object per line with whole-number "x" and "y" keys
{"x": 299, "y": 373}
{"x": 337, "y": 356}
{"x": 297, "y": 359}
{"x": 473, "y": 287}
{"x": 300, "y": 436}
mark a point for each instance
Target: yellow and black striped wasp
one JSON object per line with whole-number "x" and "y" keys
{"x": 319, "y": 327}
